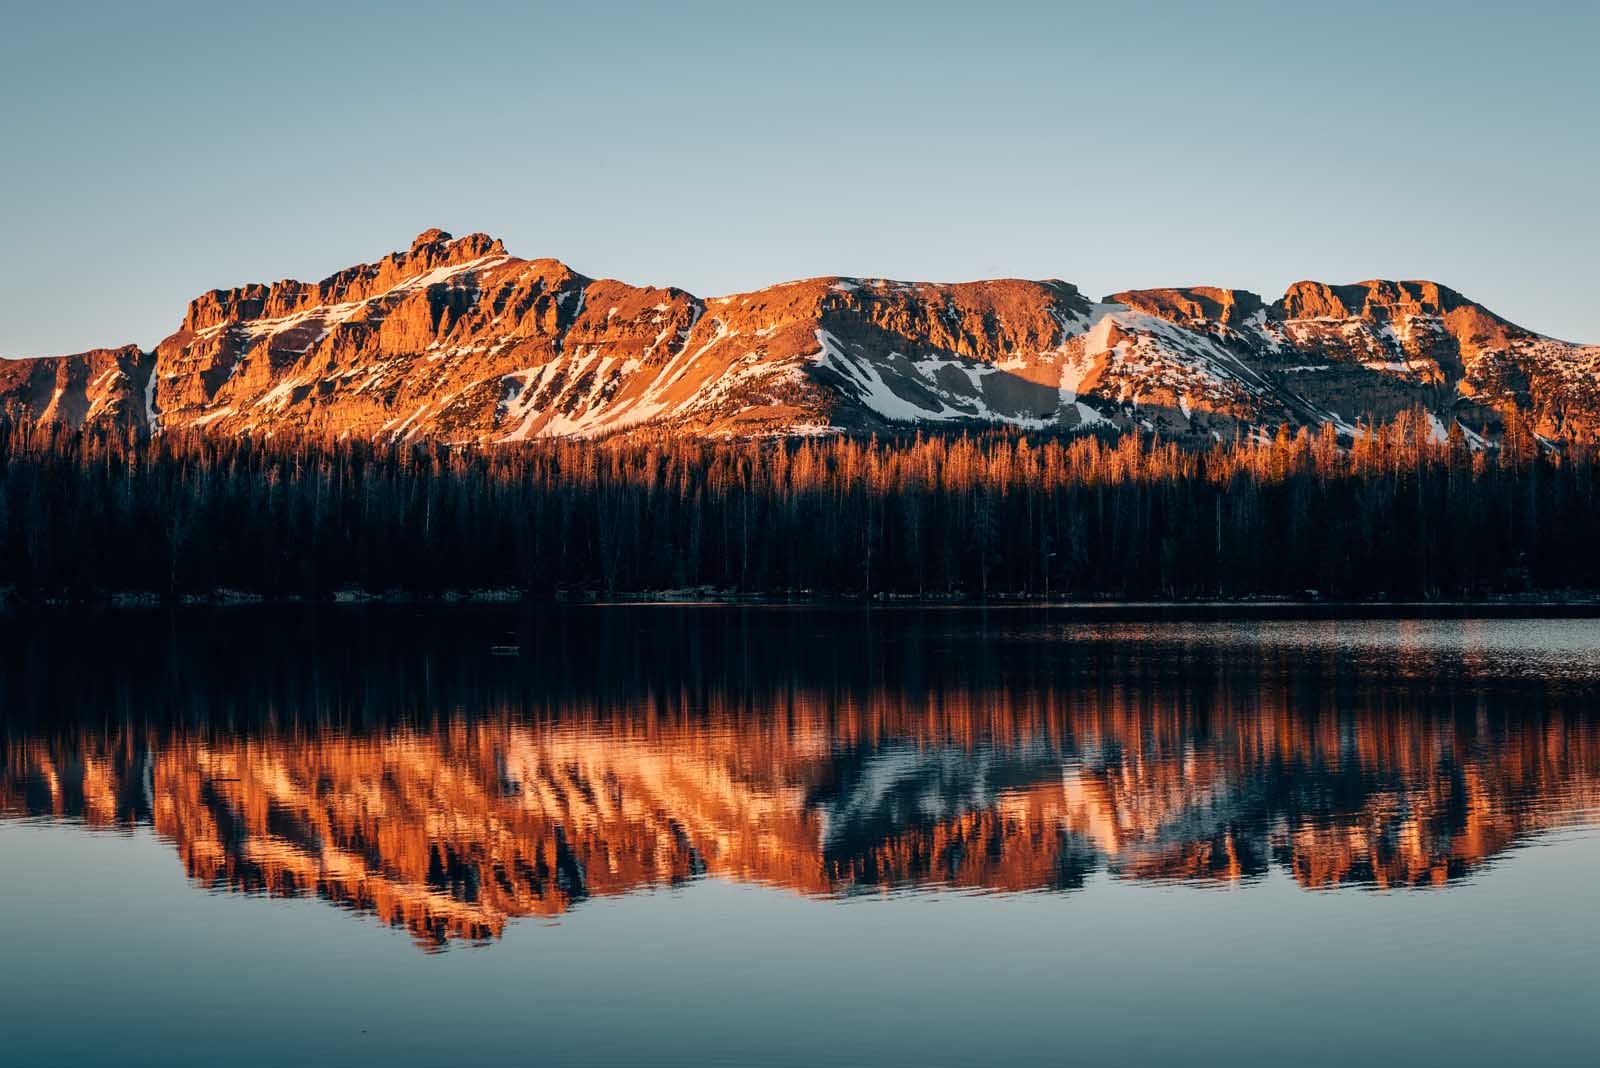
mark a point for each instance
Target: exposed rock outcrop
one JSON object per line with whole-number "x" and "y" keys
{"x": 456, "y": 339}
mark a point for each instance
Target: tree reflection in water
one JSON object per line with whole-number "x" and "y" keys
{"x": 385, "y": 762}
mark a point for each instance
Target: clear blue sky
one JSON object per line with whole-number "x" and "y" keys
{"x": 153, "y": 151}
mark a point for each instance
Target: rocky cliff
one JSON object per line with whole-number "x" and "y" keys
{"x": 458, "y": 340}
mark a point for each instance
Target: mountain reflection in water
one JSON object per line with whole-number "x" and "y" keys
{"x": 386, "y": 762}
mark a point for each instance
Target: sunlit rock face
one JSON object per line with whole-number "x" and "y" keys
{"x": 456, "y": 339}
{"x": 452, "y": 829}
{"x": 101, "y": 388}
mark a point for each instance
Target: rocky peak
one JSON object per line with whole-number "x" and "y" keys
{"x": 440, "y": 245}
{"x": 1319, "y": 300}
{"x": 1230, "y": 307}
{"x": 433, "y": 236}
{"x": 430, "y": 250}
{"x": 1468, "y": 326}
{"x": 1374, "y": 299}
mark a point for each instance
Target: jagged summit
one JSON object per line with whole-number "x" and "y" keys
{"x": 431, "y": 250}
{"x": 1310, "y": 300}
{"x": 455, "y": 338}
{"x": 431, "y": 236}
{"x": 1230, "y": 307}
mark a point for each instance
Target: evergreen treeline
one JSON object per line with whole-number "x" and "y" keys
{"x": 1398, "y": 515}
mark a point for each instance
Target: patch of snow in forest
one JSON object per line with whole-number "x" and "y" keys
{"x": 1087, "y": 416}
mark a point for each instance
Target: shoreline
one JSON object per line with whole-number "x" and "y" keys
{"x": 144, "y": 601}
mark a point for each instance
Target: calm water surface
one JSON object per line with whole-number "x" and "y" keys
{"x": 798, "y": 836}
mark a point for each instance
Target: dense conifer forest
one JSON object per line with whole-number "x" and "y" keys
{"x": 1396, "y": 514}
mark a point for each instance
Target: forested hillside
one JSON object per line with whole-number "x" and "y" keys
{"x": 1403, "y": 513}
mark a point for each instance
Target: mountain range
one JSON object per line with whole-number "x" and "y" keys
{"x": 457, "y": 340}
